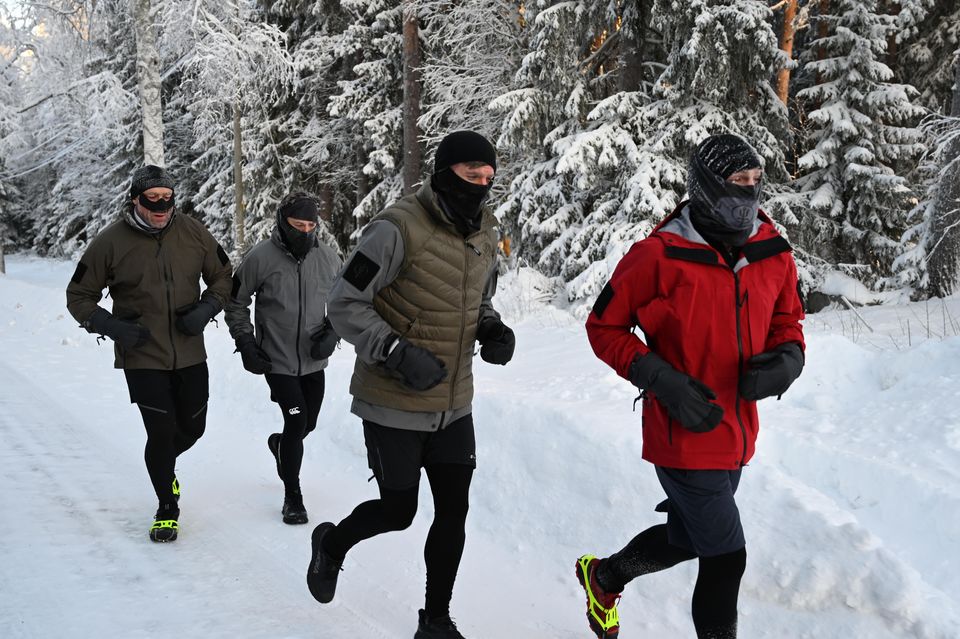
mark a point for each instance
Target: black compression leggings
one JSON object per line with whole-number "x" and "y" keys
{"x": 173, "y": 405}
{"x": 714, "y": 606}
{"x": 395, "y": 510}
{"x": 299, "y": 399}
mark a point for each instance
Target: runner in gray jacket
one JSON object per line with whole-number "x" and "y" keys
{"x": 289, "y": 339}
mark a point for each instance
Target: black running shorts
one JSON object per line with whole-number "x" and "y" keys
{"x": 396, "y": 456}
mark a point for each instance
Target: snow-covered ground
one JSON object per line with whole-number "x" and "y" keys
{"x": 851, "y": 506}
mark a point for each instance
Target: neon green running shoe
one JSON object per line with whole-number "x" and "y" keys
{"x": 165, "y": 526}
{"x": 601, "y": 605}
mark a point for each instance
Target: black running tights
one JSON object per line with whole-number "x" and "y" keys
{"x": 715, "y": 596}
{"x": 395, "y": 510}
{"x": 299, "y": 399}
{"x": 173, "y": 405}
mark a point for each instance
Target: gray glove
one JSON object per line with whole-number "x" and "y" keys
{"x": 687, "y": 399}
{"x": 125, "y": 333}
{"x": 420, "y": 369}
{"x": 772, "y": 372}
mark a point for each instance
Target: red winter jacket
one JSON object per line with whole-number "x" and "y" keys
{"x": 704, "y": 318}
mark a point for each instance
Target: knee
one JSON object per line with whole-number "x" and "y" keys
{"x": 727, "y": 567}
{"x": 398, "y": 514}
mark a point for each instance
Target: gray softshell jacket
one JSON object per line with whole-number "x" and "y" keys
{"x": 291, "y": 302}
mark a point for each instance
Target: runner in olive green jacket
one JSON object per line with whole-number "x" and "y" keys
{"x": 151, "y": 261}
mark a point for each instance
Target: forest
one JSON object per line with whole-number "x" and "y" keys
{"x": 593, "y": 105}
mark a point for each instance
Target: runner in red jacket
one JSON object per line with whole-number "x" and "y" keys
{"x": 713, "y": 290}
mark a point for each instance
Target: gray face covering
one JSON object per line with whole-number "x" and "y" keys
{"x": 722, "y": 210}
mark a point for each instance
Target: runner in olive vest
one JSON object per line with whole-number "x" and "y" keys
{"x": 152, "y": 261}
{"x": 414, "y": 298}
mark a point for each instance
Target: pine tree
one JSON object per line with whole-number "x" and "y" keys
{"x": 928, "y": 31}
{"x": 862, "y": 140}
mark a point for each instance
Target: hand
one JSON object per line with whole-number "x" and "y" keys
{"x": 497, "y": 341}
{"x": 127, "y": 334}
{"x": 325, "y": 341}
{"x": 687, "y": 399}
{"x": 772, "y": 372}
{"x": 253, "y": 357}
{"x": 193, "y": 318}
{"x": 420, "y": 369}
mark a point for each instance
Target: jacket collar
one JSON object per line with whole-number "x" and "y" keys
{"x": 682, "y": 241}
{"x": 137, "y": 224}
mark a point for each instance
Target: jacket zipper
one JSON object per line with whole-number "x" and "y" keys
{"x": 463, "y": 320}
{"x": 299, "y": 314}
{"x": 168, "y": 278}
{"x": 743, "y": 430}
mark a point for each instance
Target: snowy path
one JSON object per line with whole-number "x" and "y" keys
{"x": 852, "y": 506}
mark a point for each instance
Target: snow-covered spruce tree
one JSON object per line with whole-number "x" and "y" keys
{"x": 236, "y": 65}
{"x": 930, "y": 263}
{"x": 472, "y": 51}
{"x": 564, "y": 119}
{"x": 862, "y": 139}
{"x": 330, "y": 151}
{"x": 80, "y": 126}
{"x": 370, "y": 100}
{"x": 928, "y": 31}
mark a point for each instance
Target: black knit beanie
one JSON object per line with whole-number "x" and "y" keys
{"x": 149, "y": 177}
{"x": 726, "y": 154}
{"x": 300, "y": 206}
{"x": 464, "y": 146}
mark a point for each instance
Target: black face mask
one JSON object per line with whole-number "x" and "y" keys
{"x": 463, "y": 199}
{"x": 722, "y": 210}
{"x": 158, "y": 206}
{"x": 296, "y": 241}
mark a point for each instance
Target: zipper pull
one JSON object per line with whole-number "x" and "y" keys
{"x": 475, "y": 249}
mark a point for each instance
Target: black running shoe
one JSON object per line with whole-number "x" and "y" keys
{"x": 165, "y": 526}
{"x": 293, "y": 509}
{"x": 436, "y": 628}
{"x": 273, "y": 443}
{"x": 323, "y": 570}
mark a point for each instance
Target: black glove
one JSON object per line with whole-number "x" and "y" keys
{"x": 496, "y": 341}
{"x": 772, "y": 372}
{"x": 254, "y": 359}
{"x": 325, "y": 340}
{"x": 193, "y": 318}
{"x": 420, "y": 369}
{"x": 686, "y": 398}
{"x": 125, "y": 333}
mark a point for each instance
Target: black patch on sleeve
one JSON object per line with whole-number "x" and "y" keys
{"x": 361, "y": 271}
{"x": 224, "y": 260}
{"x": 236, "y": 286}
{"x": 603, "y": 300}
{"x": 79, "y": 273}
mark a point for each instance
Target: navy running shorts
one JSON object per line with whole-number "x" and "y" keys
{"x": 396, "y": 455}
{"x": 702, "y": 515}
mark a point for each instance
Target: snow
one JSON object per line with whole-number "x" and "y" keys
{"x": 851, "y": 506}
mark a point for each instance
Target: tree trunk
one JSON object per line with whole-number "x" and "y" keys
{"x": 3, "y": 264}
{"x": 636, "y": 18}
{"x": 943, "y": 261}
{"x": 411, "y": 97}
{"x": 786, "y": 45}
{"x": 148, "y": 79}
{"x": 240, "y": 214}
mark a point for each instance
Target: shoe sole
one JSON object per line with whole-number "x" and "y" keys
{"x": 315, "y": 539}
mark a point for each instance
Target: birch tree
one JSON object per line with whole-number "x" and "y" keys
{"x": 148, "y": 81}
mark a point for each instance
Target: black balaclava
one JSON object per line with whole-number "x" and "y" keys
{"x": 462, "y": 200}
{"x": 149, "y": 177}
{"x": 299, "y": 206}
{"x": 722, "y": 212}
